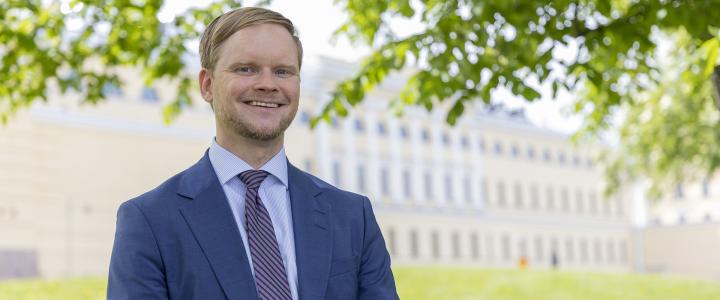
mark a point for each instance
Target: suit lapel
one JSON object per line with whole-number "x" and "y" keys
{"x": 211, "y": 221}
{"x": 313, "y": 235}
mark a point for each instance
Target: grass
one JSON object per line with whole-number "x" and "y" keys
{"x": 482, "y": 284}
{"x": 67, "y": 289}
{"x": 419, "y": 283}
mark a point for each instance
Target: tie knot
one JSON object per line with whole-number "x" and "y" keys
{"x": 253, "y": 178}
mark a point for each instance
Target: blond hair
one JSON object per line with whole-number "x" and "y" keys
{"x": 233, "y": 21}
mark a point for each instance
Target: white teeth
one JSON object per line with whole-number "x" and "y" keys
{"x": 264, "y": 104}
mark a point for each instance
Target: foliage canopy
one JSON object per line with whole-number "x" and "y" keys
{"x": 609, "y": 53}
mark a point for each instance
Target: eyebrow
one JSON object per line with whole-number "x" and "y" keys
{"x": 284, "y": 66}
{"x": 242, "y": 63}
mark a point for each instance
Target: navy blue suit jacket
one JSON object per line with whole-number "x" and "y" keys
{"x": 180, "y": 241}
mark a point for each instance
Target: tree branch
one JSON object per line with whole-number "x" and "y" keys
{"x": 716, "y": 83}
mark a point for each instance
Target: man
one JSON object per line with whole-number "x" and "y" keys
{"x": 243, "y": 223}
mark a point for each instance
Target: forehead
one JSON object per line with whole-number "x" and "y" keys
{"x": 260, "y": 43}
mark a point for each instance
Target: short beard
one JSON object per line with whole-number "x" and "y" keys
{"x": 247, "y": 131}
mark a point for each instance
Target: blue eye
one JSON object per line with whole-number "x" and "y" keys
{"x": 245, "y": 70}
{"x": 283, "y": 73}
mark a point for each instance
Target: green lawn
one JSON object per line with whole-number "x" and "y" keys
{"x": 450, "y": 283}
{"x": 457, "y": 284}
{"x": 69, "y": 289}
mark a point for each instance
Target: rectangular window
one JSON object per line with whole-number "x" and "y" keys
{"x": 584, "y": 255}
{"x": 456, "y": 245}
{"x": 498, "y": 148}
{"x": 449, "y": 187}
{"x": 522, "y": 248}
{"x": 490, "y": 248}
{"x": 414, "y": 244}
{"x": 468, "y": 189}
{"x": 597, "y": 247}
{"x": 404, "y": 133}
{"x": 534, "y": 197}
{"x": 407, "y": 184}
{"x": 308, "y": 165}
{"x": 481, "y": 145}
{"x": 428, "y": 185}
{"x": 501, "y": 194}
{"x": 359, "y": 126}
{"x": 425, "y": 135}
{"x": 305, "y": 117}
{"x": 569, "y": 250}
{"x": 606, "y": 206}
{"x": 515, "y": 151}
{"x": 518, "y": 196}
{"x": 384, "y": 181}
{"x": 506, "y": 247}
{"x": 546, "y": 155}
{"x": 610, "y": 252}
{"x": 565, "y": 199}
{"x": 554, "y": 246}
{"x": 550, "y": 199}
{"x": 337, "y": 170}
{"x": 531, "y": 152}
{"x": 435, "y": 241}
{"x": 579, "y": 201}
{"x": 592, "y": 198}
{"x": 391, "y": 241}
{"x": 381, "y": 130}
{"x": 539, "y": 249}
{"x": 361, "y": 178}
{"x": 474, "y": 245}
{"x": 485, "y": 193}
{"x": 464, "y": 142}
{"x": 679, "y": 191}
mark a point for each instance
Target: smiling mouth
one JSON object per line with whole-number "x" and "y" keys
{"x": 263, "y": 104}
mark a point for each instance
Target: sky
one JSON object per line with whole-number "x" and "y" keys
{"x": 316, "y": 20}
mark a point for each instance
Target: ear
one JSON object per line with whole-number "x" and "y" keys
{"x": 206, "y": 80}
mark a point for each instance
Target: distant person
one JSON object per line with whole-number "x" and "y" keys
{"x": 243, "y": 222}
{"x": 523, "y": 263}
{"x": 554, "y": 260}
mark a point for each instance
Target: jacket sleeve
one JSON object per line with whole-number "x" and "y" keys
{"x": 136, "y": 268}
{"x": 376, "y": 280}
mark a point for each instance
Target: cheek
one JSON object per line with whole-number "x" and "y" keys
{"x": 292, "y": 91}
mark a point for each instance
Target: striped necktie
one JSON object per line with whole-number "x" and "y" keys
{"x": 270, "y": 276}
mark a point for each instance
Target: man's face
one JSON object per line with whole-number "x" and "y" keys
{"x": 255, "y": 86}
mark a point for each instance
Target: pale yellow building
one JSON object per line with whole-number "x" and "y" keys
{"x": 485, "y": 193}
{"x": 681, "y": 231}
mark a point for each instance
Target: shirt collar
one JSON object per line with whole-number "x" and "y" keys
{"x": 227, "y": 165}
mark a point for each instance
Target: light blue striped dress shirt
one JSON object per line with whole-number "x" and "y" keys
{"x": 274, "y": 194}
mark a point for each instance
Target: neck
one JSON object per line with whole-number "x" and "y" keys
{"x": 254, "y": 152}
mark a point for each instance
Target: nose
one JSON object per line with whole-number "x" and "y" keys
{"x": 265, "y": 82}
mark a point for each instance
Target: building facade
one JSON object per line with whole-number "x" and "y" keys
{"x": 487, "y": 192}
{"x": 682, "y": 230}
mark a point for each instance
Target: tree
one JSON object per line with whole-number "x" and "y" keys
{"x": 81, "y": 45}
{"x": 463, "y": 50}
{"x": 468, "y": 48}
